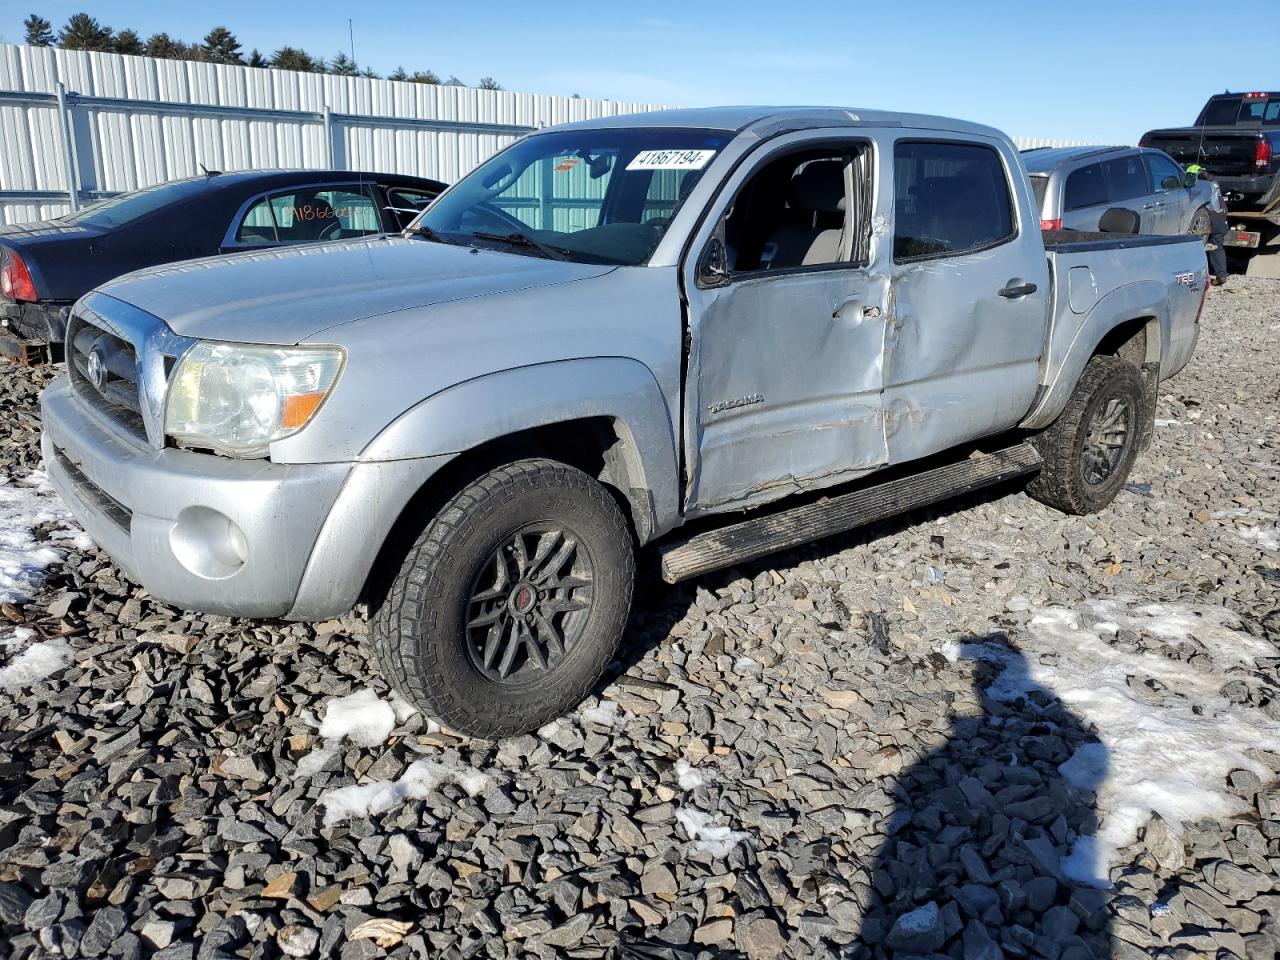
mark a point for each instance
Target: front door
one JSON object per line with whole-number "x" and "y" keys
{"x": 1169, "y": 196}
{"x": 784, "y": 374}
{"x": 971, "y": 298}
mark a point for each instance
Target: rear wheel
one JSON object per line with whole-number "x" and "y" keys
{"x": 511, "y": 602}
{"x": 1090, "y": 449}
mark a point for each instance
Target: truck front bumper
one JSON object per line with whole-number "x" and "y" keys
{"x": 236, "y": 537}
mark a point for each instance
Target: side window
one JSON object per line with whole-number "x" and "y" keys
{"x": 1126, "y": 178}
{"x": 406, "y": 204}
{"x": 353, "y": 208}
{"x": 1085, "y": 188}
{"x": 1165, "y": 174}
{"x": 949, "y": 198}
{"x": 791, "y": 213}
{"x": 310, "y": 214}
{"x": 258, "y": 224}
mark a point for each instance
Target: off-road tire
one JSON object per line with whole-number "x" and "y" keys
{"x": 1062, "y": 481}
{"x": 418, "y": 630}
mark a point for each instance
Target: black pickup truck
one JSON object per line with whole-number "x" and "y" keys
{"x": 1237, "y": 139}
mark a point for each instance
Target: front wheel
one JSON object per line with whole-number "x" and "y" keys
{"x": 511, "y": 602}
{"x": 1200, "y": 224}
{"x": 1090, "y": 449}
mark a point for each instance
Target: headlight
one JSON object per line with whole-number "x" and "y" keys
{"x": 236, "y": 398}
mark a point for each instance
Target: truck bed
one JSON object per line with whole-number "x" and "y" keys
{"x": 1079, "y": 241}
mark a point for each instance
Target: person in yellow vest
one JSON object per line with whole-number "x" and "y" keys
{"x": 1217, "y": 227}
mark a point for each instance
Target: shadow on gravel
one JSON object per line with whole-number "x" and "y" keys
{"x": 973, "y": 864}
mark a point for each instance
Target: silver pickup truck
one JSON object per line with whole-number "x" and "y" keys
{"x": 722, "y": 332}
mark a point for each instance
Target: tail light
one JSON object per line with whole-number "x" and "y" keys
{"x": 15, "y": 278}
{"x": 1144, "y": 142}
{"x": 1051, "y": 224}
{"x": 1261, "y": 153}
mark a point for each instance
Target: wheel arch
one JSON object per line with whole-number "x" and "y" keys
{"x": 1130, "y": 322}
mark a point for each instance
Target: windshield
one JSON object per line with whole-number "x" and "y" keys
{"x": 1240, "y": 111}
{"x": 117, "y": 211}
{"x": 593, "y": 196}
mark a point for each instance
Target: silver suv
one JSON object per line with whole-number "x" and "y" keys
{"x": 1075, "y": 186}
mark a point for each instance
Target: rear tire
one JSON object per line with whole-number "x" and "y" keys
{"x": 512, "y": 601}
{"x": 1090, "y": 449}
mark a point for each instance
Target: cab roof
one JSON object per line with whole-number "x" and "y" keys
{"x": 745, "y": 119}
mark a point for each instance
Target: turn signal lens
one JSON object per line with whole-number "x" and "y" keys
{"x": 1050, "y": 224}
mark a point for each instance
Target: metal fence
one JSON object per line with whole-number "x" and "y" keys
{"x": 76, "y": 126}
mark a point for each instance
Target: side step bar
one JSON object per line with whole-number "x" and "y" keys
{"x": 758, "y": 537}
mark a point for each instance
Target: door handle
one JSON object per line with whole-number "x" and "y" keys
{"x": 1018, "y": 288}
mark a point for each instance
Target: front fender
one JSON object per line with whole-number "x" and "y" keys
{"x": 1069, "y": 353}
{"x": 504, "y": 403}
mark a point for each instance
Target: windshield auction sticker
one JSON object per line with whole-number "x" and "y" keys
{"x": 671, "y": 160}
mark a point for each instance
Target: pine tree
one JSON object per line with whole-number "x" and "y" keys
{"x": 83, "y": 32}
{"x": 222, "y": 46}
{"x": 343, "y": 66}
{"x": 256, "y": 59}
{"x": 488, "y": 83}
{"x": 128, "y": 41}
{"x": 164, "y": 47}
{"x": 39, "y": 31}
{"x": 291, "y": 58}
{"x": 398, "y": 74}
{"x": 424, "y": 76}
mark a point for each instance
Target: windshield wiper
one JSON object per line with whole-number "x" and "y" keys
{"x": 426, "y": 233}
{"x": 523, "y": 240}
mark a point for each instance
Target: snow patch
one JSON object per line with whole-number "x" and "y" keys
{"x": 706, "y": 834}
{"x": 315, "y": 761}
{"x": 421, "y": 779}
{"x": 25, "y": 504}
{"x": 687, "y": 777}
{"x": 33, "y": 664}
{"x": 605, "y": 715}
{"x": 1168, "y": 741}
{"x": 1267, "y": 539}
{"x": 402, "y": 708}
{"x": 363, "y": 718}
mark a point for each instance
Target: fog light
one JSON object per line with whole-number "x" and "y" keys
{"x": 208, "y": 543}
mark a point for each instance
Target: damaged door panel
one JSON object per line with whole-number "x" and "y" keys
{"x": 970, "y": 300}
{"x": 785, "y": 369}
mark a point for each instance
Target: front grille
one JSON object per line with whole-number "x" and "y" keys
{"x": 114, "y": 510}
{"x": 104, "y": 373}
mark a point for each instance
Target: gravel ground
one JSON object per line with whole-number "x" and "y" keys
{"x": 946, "y": 737}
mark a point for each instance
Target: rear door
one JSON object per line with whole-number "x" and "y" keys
{"x": 971, "y": 296}
{"x": 1129, "y": 187}
{"x": 1084, "y": 197}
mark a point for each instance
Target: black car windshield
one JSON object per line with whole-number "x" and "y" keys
{"x": 122, "y": 209}
{"x": 592, "y": 196}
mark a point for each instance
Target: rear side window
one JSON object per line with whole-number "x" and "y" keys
{"x": 310, "y": 214}
{"x": 406, "y": 204}
{"x": 1126, "y": 178}
{"x": 1040, "y": 185}
{"x": 949, "y": 198}
{"x": 1086, "y": 187}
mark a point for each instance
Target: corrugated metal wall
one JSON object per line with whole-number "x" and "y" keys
{"x": 134, "y": 121}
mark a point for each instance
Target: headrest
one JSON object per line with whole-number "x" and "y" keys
{"x": 820, "y": 187}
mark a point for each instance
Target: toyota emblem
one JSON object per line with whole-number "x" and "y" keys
{"x": 96, "y": 369}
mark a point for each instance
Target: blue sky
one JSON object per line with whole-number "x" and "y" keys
{"x": 1087, "y": 70}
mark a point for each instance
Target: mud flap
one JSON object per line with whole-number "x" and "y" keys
{"x": 1150, "y": 393}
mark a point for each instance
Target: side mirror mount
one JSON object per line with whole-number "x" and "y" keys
{"x": 713, "y": 271}
{"x": 1189, "y": 180}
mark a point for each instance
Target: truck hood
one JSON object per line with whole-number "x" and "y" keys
{"x": 288, "y": 295}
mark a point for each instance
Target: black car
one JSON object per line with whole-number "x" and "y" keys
{"x": 47, "y": 266}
